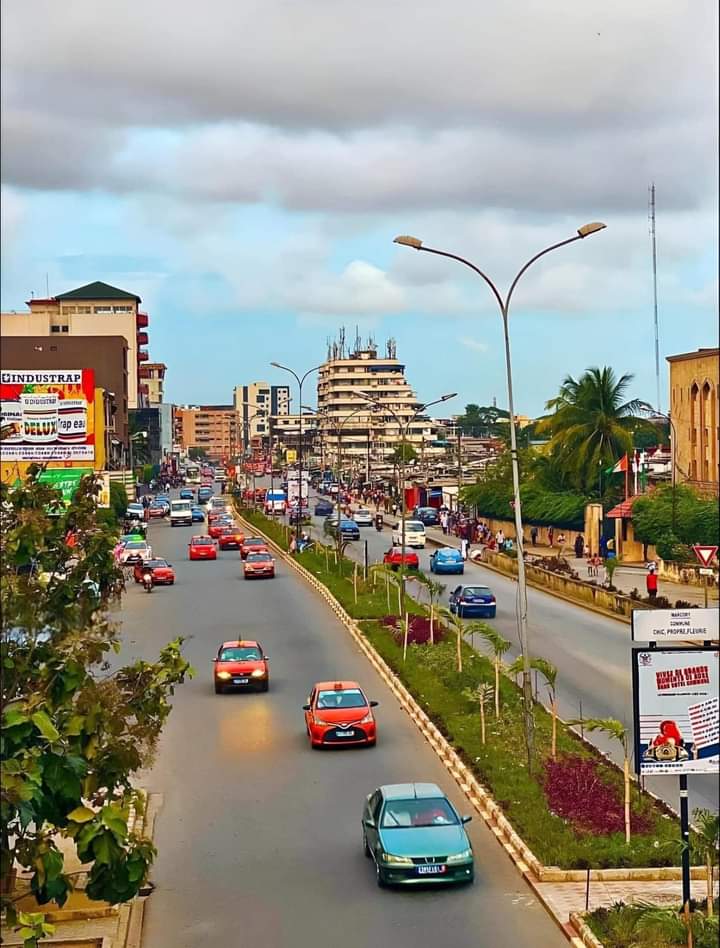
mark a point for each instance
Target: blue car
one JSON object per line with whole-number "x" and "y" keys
{"x": 447, "y": 560}
{"x": 187, "y": 494}
{"x": 349, "y": 530}
{"x": 473, "y": 602}
{"x": 323, "y": 508}
{"x": 198, "y": 515}
{"x": 426, "y": 515}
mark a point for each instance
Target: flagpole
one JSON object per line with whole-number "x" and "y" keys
{"x": 627, "y": 476}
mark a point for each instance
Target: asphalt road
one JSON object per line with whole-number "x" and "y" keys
{"x": 591, "y": 652}
{"x": 259, "y": 837}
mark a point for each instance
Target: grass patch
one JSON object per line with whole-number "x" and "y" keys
{"x": 430, "y": 675}
{"x": 646, "y": 926}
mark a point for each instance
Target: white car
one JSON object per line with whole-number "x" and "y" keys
{"x": 363, "y": 517}
{"x": 180, "y": 513}
{"x": 134, "y": 549}
{"x": 135, "y": 511}
{"x": 414, "y": 534}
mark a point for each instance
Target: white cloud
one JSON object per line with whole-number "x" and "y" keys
{"x": 473, "y": 344}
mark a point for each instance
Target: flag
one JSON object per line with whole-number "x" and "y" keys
{"x": 622, "y": 465}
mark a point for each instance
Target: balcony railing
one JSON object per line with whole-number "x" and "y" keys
{"x": 142, "y": 339}
{"x": 141, "y": 320}
{"x": 143, "y": 355}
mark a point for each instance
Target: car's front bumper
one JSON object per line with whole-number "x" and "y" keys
{"x": 258, "y": 573}
{"x": 454, "y": 873}
{"x": 328, "y": 736}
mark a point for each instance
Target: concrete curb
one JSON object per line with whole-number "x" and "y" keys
{"x": 585, "y": 935}
{"x": 132, "y": 914}
{"x": 527, "y": 863}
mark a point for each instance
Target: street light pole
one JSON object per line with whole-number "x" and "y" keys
{"x": 504, "y": 305}
{"x": 403, "y": 441}
{"x": 300, "y": 381}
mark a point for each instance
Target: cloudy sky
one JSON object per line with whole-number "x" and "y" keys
{"x": 243, "y": 165}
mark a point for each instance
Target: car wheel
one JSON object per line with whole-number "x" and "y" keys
{"x": 366, "y": 848}
{"x": 379, "y": 877}
{"x": 265, "y": 686}
{"x": 218, "y": 689}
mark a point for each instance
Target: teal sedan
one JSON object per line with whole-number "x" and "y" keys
{"x": 414, "y": 835}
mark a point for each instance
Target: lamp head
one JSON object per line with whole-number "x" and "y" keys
{"x": 408, "y": 241}
{"x": 588, "y": 229}
{"x": 446, "y": 398}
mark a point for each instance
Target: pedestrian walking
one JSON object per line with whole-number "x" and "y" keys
{"x": 603, "y": 547}
{"x": 464, "y": 545}
{"x": 561, "y": 542}
{"x": 651, "y": 582}
{"x": 579, "y": 546}
{"x": 551, "y": 537}
{"x": 444, "y": 522}
{"x": 533, "y": 536}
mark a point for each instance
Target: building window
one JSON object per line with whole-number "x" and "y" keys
{"x": 64, "y": 328}
{"x": 54, "y": 329}
{"x": 84, "y": 309}
{"x": 103, "y": 309}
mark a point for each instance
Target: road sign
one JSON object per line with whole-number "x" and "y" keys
{"x": 705, "y": 554}
{"x": 658, "y": 625}
{"x": 704, "y": 571}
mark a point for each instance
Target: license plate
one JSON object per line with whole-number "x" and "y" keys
{"x": 345, "y": 733}
{"x": 241, "y": 681}
{"x": 431, "y": 870}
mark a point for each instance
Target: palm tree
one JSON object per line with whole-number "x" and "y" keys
{"x": 707, "y": 842}
{"x": 591, "y": 423}
{"x": 549, "y": 673}
{"x": 616, "y": 729}
{"x": 435, "y": 591}
{"x": 456, "y": 624}
{"x": 498, "y": 645}
{"x": 482, "y": 694}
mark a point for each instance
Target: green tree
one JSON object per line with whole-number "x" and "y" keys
{"x": 706, "y": 840}
{"x": 197, "y": 454}
{"x": 118, "y": 500}
{"x": 498, "y": 646}
{"x": 435, "y": 590}
{"x": 483, "y": 695}
{"x": 549, "y": 673}
{"x": 592, "y": 424}
{"x": 673, "y": 517}
{"x": 73, "y": 732}
{"x": 403, "y": 451}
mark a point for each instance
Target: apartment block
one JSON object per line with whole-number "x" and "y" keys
{"x": 96, "y": 309}
{"x": 254, "y": 404}
{"x": 152, "y": 374}
{"x": 213, "y": 428}
{"x": 367, "y": 433}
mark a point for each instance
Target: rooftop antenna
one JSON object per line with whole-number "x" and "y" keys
{"x": 651, "y": 216}
{"x": 47, "y": 287}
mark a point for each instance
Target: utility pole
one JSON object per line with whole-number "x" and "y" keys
{"x": 651, "y": 215}
{"x": 459, "y": 475}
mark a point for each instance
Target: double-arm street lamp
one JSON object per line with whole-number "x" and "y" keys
{"x": 504, "y": 305}
{"x": 299, "y": 379}
{"x": 246, "y": 425}
{"x": 404, "y": 428}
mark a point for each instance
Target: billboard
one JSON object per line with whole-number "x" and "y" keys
{"x": 47, "y": 415}
{"x": 675, "y": 692}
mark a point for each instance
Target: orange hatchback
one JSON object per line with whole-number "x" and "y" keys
{"x": 338, "y": 713}
{"x": 217, "y": 527}
{"x": 253, "y": 545}
{"x": 259, "y": 564}
{"x": 231, "y": 538}
{"x": 241, "y": 664}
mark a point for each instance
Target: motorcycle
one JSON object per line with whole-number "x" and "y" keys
{"x": 148, "y": 583}
{"x": 379, "y": 523}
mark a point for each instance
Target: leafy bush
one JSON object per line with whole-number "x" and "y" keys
{"x": 695, "y": 520}
{"x": 643, "y": 925}
{"x": 118, "y": 499}
{"x": 418, "y": 631}
{"x": 577, "y": 792}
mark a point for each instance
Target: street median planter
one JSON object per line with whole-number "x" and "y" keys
{"x": 511, "y": 802}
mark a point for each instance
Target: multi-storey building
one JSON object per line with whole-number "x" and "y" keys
{"x": 213, "y": 428}
{"x": 96, "y": 309}
{"x": 153, "y": 375}
{"x": 367, "y": 434}
{"x": 694, "y": 413}
{"x": 254, "y": 404}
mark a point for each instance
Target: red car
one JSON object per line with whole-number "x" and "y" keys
{"x": 241, "y": 664}
{"x": 162, "y": 572}
{"x": 259, "y": 564}
{"x": 156, "y": 510}
{"x": 202, "y": 548}
{"x": 231, "y": 538}
{"x": 253, "y": 545}
{"x": 215, "y": 513}
{"x": 337, "y": 713}
{"x": 394, "y": 558}
{"x": 217, "y": 526}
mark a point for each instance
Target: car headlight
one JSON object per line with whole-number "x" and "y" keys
{"x": 460, "y": 857}
{"x": 323, "y": 723}
{"x": 224, "y": 675}
{"x": 368, "y": 718}
{"x": 391, "y": 860}
{"x": 258, "y": 673}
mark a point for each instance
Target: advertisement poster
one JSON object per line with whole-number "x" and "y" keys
{"x": 47, "y": 415}
{"x": 656, "y": 625}
{"x": 677, "y": 719}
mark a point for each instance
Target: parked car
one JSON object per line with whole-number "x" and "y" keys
{"x": 447, "y": 560}
{"x": 473, "y": 601}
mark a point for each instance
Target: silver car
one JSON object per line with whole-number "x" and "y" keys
{"x": 363, "y": 517}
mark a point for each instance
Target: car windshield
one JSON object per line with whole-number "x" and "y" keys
{"x": 245, "y": 653}
{"x": 156, "y": 564}
{"x": 136, "y": 545}
{"x": 348, "y": 698}
{"x": 414, "y": 526}
{"x": 430, "y": 812}
{"x": 476, "y": 591}
{"x": 202, "y": 541}
{"x": 259, "y": 558}
{"x": 255, "y": 541}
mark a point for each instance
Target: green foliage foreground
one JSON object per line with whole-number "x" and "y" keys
{"x": 74, "y": 728}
